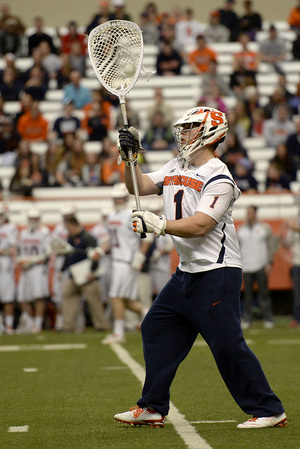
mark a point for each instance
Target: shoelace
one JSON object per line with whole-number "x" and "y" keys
{"x": 137, "y": 411}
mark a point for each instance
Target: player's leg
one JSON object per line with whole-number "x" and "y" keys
{"x": 71, "y": 301}
{"x": 38, "y": 284}
{"x": 92, "y": 295}
{"x": 264, "y": 296}
{"x": 23, "y": 297}
{"x": 248, "y": 298}
{"x": 7, "y": 294}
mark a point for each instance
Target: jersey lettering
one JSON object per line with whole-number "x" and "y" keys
{"x": 217, "y": 118}
{"x": 214, "y": 202}
{"x": 186, "y": 181}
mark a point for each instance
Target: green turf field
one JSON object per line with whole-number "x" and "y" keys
{"x": 69, "y": 402}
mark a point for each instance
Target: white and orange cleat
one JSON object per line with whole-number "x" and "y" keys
{"x": 259, "y": 423}
{"x": 113, "y": 338}
{"x": 138, "y": 416}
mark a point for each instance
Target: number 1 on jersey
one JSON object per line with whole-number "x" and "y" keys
{"x": 178, "y": 201}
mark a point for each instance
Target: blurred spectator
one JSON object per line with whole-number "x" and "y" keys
{"x": 288, "y": 165}
{"x": 91, "y": 170}
{"x": 119, "y": 12}
{"x": 9, "y": 138}
{"x": 76, "y": 92}
{"x": 132, "y": 116}
{"x": 160, "y": 106}
{"x": 151, "y": 8}
{"x": 10, "y": 87}
{"x": 273, "y": 49}
{"x": 28, "y": 176}
{"x": 73, "y": 36}
{"x": 277, "y": 129}
{"x": 212, "y": 78}
{"x": 112, "y": 172}
{"x": 243, "y": 177}
{"x": 36, "y": 85}
{"x": 99, "y": 17}
{"x": 200, "y": 58}
{"x": 251, "y": 99}
{"x": 251, "y": 21}
{"x": 38, "y": 173}
{"x": 294, "y": 101}
{"x": 293, "y": 143}
{"x": 67, "y": 123}
{"x": 231, "y": 151}
{"x": 215, "y": 31}
{"x": 69, "y": 170}
{"x": 23, "y": 152}
{"x": 50, "y": 61}
{"x": 77, "y": 59}
{"x": 33, "y": 126}
{"x": 245, "y": 58}
{"x": 241, "y": 78}
{"x": 97, "y": 123}
{"x": 10, "y": 39}
{"x": 229, "y": 18}
{"x": 39, "y": 36}
{"x": 213, "y": 98}
{"x": 97, "y": 98}
{"x": 294, "y": 17}
{"x": 282, "y": 83}
{"x": 168, "y": 61}
{"x": 63, "y": 75}
{"x": 6, "y": 15}
{"x": 37, "y": 62}
{"x": 243, "y": 117}
{"x": 257, "y": 125}
{"x": 276, "y": 179}
{"x": 25, "y": 105}
{"x": 234, "y": 126}
{"x": 53, "y": 157}
{"x": 296, "y": 47}
{"x": 149, "y": 27}
{"x": 186, "y": 31}
{"x": 10, "y": 61}
{"x": 159, "y": 136}
{"x": 277, "y": 98}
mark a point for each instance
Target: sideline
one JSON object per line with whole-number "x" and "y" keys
{"x": 184, "y": 429}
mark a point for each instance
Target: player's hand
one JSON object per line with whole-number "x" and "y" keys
{"x": 138, "y": 261}
{"x": 95, "y": 253}
{"x": 145, "y": 221}
{"x": 129, "y": 139}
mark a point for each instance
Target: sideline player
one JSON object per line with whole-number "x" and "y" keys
{"x": 203, "y": 295}
{"x": 8, "y": 245}
{"x": 33, "y": 286}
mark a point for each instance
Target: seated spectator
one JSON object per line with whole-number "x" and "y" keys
{"x": 186, "y": 31}
{"x": 97, "y": 97}
{"x": 37, "y": 62}
{"x": 234, "y": 126}
{"x": 71, "y": 37}
{"x": 76, "y": 92}
{"x": 10, "y": 87}
{"x": 294, "y": 101}
{"x": 282, "y": 83}
{"x": 10, "y": 39}
{"x": 149, "y": 27}
{"x": 99, "y": 17}
{"x": 243, "y": 117}
{"x": 6, "y": 15}
{"x": 213, "y": 99}
{"x": 10, "y": 61}
{"x": 97, "y": 123}
{"x": 39, "y": 36}
{"x": 28, "y": 176}
{"x": 241, "y": 78}
{"x": 36, "y": 85}
{"x": 294, "y": 17}
{"x": 33, "y": 126}
{"x": 9, "y": 138}
{"x": 200, "y": 58}
{"x": 63, "y": 75}
{"x": 276, "y": 179}
{"x": 68, "y": 123}
{"x": 258, "y": 120}
{"x": 112, "y": 172}
{"x": 245, "y": 58}
{"x": 296, "y": 47}
{"x": 293, "y": 144}
{"x": 277, "y": 129}
{"x": 277, "y": 98}
{"x": 231, "y": 151}
{"x": 273, "y": 49}
{"x": 77, "y": 59}
{"x": 288, "y": 165}
{"x": 215, "y": 31}
{"x": 50, "y": 61}
{"x": 119, "y": 12}
{"x": 38, "y": 173}
{"x": 251, "y": 98}
{"x": 53, "y": 157}
{"x": 168, "y": 62}
{"x": 243, "y": 177}
{"x": 212, "y": 78}
{"x": 160, "y": 106}
{"x": 132, "y": 116}
{"x": 229, "y": 19}
{"x": 251, "y": 21}
{"x": 23, "y": 152}
{"x": 25, "y": 105}
{"x": 159, "y": 136}
{"x": 69, "y": 170}
{"x": 91, "y": 170}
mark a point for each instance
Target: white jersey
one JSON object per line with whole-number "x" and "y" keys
{"x": 124, "y": 243}
{"x": 101, "y": 233}
{"x": 33, "y": 243}
{"x": 210, "y": 189}
{"x": 8, "y": 239}
{"x": 60, "y": 231}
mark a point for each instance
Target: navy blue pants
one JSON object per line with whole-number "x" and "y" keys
{"x": 208, "y": 304}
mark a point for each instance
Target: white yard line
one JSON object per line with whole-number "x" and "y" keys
{"x": 54, "y": 347}
{"x": 18, "y": 429}
{"x": 30, "y": 370}
{"x": 284, "y": 342}
{"x": 184, "y": 429}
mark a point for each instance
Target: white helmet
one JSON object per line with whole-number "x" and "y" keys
{"x": 3, "y": 213}
{"x": 206, "y": 127}
{"x": 68, "y": 209}
{"x": 120, "y": 191}
{"x": 34, "y": 217}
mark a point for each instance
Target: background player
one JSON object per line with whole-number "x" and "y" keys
{"x": 203, "y": 296}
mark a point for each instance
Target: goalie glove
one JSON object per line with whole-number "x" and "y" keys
{"x": 138, "y": 261}
{"x": 129, "y": 139}
{"x": 94, "y": 253}
{"x": 145, "y": 221}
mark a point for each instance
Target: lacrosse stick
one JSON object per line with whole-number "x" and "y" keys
{"x": 59, "y": 246}
{"x": 116, "y": 53}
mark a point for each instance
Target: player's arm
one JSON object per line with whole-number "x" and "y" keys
{"x": 129, "y": 140}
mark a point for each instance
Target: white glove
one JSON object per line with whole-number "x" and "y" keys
{"x": 145, "y": 221}
{"x": 95, "y": 253}
{"x": 138, "y": 261}
{"x": 156, "y": 255}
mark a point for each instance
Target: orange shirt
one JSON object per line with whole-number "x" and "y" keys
{"x": 106, "y": 115}
{"x": 33, "y": 128}
{"x": 108, "y": 168}
{"x": 201, "y": 58}
{"x": 249, "y": 59}
{"x": 294, "y": 17}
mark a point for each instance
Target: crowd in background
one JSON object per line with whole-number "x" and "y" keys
{"x": 60, "y": 61}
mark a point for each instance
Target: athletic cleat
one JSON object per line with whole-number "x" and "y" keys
{"x": 138, "y": 416}
{"x": 113, "y": 338}
{"x": 259, "y": 423}
{"x": 268, "y": 324}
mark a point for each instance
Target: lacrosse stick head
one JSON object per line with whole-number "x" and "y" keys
{"x": 116, "y": 53}
{"x": 59, "y": 246}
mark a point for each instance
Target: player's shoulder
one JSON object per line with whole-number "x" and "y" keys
{"x": 44, "y": 230}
